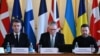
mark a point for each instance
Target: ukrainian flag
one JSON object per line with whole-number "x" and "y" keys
{"x": 69, "y": 29}
{"x": 82, "y": 17}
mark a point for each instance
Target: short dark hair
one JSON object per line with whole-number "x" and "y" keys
{"x": 52, "y": 23}
{"x": 16, "y": 20}
{"x": 84, "y": 25}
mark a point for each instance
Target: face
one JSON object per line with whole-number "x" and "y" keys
{"x": 85, "y": 31}
{"x": 52, "y": 29}
{"x": 16, "y": 27}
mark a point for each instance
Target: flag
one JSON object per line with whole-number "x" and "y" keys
{"x": 69, "y": 29}
{"x": 29, "y": 27}
{"x": 42, "y": 21}
{"x": 95, "y": 21}
{"x": 16, "y": 12}
{"x": 4, "y": 20}
{"x": 99, "y": 6}
{"x": 54, "y": 14}
{"x": 82, "y": 17}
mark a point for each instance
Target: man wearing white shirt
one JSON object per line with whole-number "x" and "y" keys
{"x": 52, "y": 38}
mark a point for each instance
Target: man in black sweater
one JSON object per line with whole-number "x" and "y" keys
{"x": 85, "y": 40}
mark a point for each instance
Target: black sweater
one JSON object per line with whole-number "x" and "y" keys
{"x": 85, "y": 42}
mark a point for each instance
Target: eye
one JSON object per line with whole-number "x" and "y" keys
{"x": 52, "y": 29}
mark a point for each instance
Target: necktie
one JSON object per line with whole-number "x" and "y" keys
{"x": 52, "y": 41}
{"x": 16, "y": 41}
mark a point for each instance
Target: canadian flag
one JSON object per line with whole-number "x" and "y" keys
{"x": 54, "y": 15}
{"x": 4, "y": 20}
{"x": 95, "y": 22}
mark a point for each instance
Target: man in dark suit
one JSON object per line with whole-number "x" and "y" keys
{"x": 16, "y": 38}
{"x": 52, "y": 38}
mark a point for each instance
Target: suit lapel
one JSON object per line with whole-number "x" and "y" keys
{"x": 55, "y": 39}
{"x": 13, "y": 40}
{"x": 13, "y": 36}
{"x": 49, "y": 40}
{"x": 20, "y": 38}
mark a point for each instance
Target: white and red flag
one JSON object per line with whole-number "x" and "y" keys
{"x": 54, "y": 15}
{"x": 95, "y": 22}
{"x": 4, "y": 20}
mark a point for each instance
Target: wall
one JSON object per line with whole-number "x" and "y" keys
{"x": 61, "y": 4}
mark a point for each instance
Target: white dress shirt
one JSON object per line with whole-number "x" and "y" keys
{"x": 18, "y": 35}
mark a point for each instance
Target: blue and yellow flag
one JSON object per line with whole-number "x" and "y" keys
{"x": 69, "y": 29}
{"x": 82, "y": 17}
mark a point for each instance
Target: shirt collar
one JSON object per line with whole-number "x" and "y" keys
{"x": 53, "y": 36}
{"x": 17, "y": 33}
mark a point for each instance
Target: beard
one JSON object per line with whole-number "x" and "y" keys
{"x": 85, "y": 35}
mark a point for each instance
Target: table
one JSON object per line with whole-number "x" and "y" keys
{"x": 37, "y": 54}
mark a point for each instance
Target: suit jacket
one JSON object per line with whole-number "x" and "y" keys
{"x": 45, "y": 40}
{"x": 23, "y": 40}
